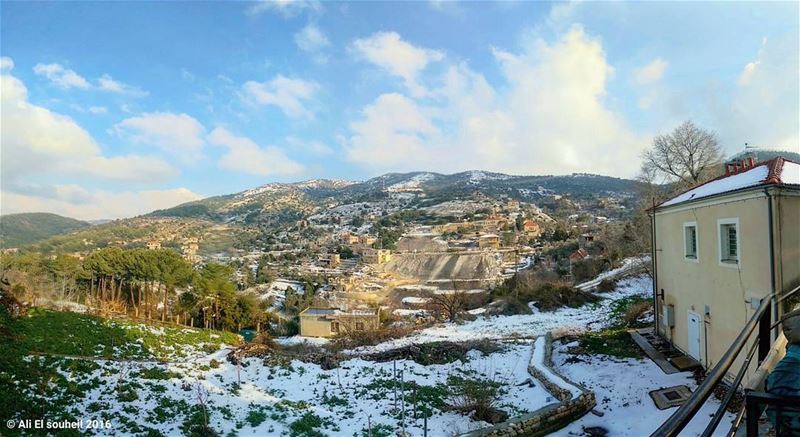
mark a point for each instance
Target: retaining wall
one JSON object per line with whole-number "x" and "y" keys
{"x": 551, "y": 417}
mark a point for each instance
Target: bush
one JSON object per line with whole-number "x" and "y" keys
{"x": 607, "y": 285}
{"x": 195, "y": 424}
{"x": 370, "y": 337}
{"x": 478, "y": 396}
{"x": 635, "y": 312}
{"x": 548, "y": 295}
{"x": 256, "y": 417}
{"x": 587, "y": 269}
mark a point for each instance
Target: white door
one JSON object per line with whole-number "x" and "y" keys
{"x": 694, "y": 335}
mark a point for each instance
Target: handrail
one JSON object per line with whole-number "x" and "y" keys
{"x": 675, "y": 424}
{"x": 728, "y": 396}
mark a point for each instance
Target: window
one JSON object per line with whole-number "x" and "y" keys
{"x": 359, "y": 326}
{"x": 335, "y": 327}
{"x": 729, "y": 247}
{"x": 690, "y": 241}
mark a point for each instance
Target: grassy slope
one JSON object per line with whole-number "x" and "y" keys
{"x": 21, "y": 229}
{"x": 36, "y": 387}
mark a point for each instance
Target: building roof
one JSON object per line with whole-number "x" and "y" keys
{"x": 311, "y": 311}
{"x": 579, "y": 254}
{"x": 777, "y": 171}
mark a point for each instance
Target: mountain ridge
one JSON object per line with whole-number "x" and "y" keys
{"x": 31, "y": 227}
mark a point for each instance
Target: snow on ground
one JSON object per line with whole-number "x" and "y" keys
{"x": 587, "y": 317}
{"x": 628, "y": 264}
{"x": 413, "y": 300}
{"x": 406, "y": 312}
{"x": 622, "y": 388}
{"x": 537, "y": 361}
{"x": 344, "y": 398}
{"x": 297, "y": 339}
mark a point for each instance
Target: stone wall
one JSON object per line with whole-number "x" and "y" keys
{"x": 549, "y": 418}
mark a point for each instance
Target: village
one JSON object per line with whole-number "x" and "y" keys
{"x": 307, "y": 218}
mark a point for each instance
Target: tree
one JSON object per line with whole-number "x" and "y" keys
{"x": 687, "y": 155}
{"x": 446, "y": 304}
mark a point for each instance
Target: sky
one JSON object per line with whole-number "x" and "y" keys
{"x": 113, "y": 109}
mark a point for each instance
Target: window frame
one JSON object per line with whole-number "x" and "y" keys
{"x": 696, "y": 258}
{"x": 722, "y": 243}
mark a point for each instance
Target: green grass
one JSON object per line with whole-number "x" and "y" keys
{"x": 63, "y": 333}
{"x": 616, "y": 342}
{"x": 37, "y": 381}
{"x": 307, "y": 424}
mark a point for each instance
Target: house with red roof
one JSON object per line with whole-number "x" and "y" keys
{"x": 722, "y": 248}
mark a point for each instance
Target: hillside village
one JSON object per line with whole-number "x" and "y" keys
{"x": 407, "y": 295}
{"x": 308, "y": 218}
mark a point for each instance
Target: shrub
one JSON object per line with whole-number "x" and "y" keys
{"x": 256, "y": 417}
{"x": 635, "y": 312}
{"x": 478, "y": 396}
{"x": 195, "y": 424}
{"x": 307, "y": 425}
{"x": 607, "y": 285}
{"x": 370, "y": 337}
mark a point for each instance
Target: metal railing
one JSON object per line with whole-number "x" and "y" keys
{"x": 761, "y": 320}
{"x": 755, "y": 403}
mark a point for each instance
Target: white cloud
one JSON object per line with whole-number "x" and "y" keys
{"x": 314, "y": 147}
{"x": 37, "y": 141}
{"x": 6, "y": 63}
{"x": 650, "y": 73}
{"x": 107, "y": 83}
{"x": 393, "y": 131}
{"x": 390, "y": 52}
{"x": 78, "y": 202}
{"x": 286, "y": 8}
{"x": 61, "y": 77}
{"x": 548, "y": 117}
{"x": 66, "y": 78}
{"x": 245, "y": 156}
{"x": 38, "y": 145}
{"x": 288, "y": 94}
{"x": 179, "y": 134}
{"x": 98, "y": 110}
{"x": 764, "y": 109}
{"x": 313, "y": 41}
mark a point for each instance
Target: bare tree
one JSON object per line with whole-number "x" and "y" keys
{"x": 448, "y": 304}
{"x": 688, "y": 154}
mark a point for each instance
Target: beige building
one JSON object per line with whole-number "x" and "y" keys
{"x": 330, "y": 322}
{"x": 720, "y": 248}
{"x": 153, "y": 244}
{"x": 376, "y": 256}
{"x": 330, "y": 260}
{"x": 489, "y": 241}
{"x": 531, "y": 229}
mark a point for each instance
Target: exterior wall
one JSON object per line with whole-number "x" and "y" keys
{"x": 787, "y": 211}
{"x": 315, "y": 326}
{"x": 691, "y": 285}
{"x": 320, "y": 326}
{"x": 348, "y": 323}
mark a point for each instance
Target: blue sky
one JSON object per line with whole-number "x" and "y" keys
{"x": 117, "y": 108}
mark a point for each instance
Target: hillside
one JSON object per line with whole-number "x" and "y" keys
{"x": 242, "y": 220}
{"x": 282, "y": 203}
{"x": 22, "y": 229}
